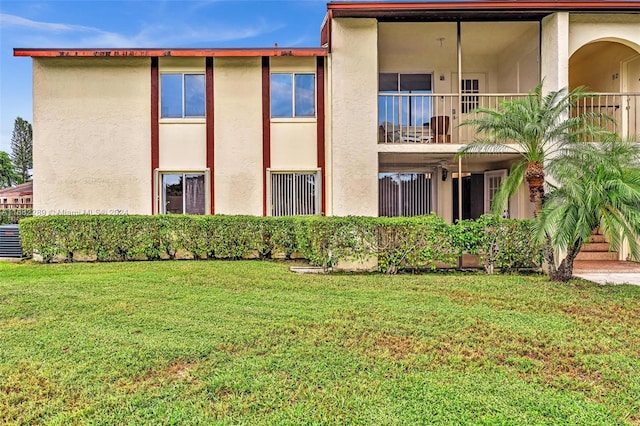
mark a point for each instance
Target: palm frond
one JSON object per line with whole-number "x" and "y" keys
{"x": 508, "y": 187}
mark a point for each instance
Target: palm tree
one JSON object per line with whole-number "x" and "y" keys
{"x": 598, "y": 187}
{"x": 537, "y": 128}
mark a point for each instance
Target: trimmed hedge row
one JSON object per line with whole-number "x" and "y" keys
{"x": 424, "y": 242}
{"x": 13, "y": 216}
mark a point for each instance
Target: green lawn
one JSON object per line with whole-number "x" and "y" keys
{"x": 251, "y": 343}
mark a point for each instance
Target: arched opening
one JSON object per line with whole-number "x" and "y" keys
{"x": 611, "y": 70}
{"x": 599, "y": 66}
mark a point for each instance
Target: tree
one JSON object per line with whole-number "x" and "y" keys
{"x": 8, "y": 174}
{"x": 539, "y": 128}
{"x": 598, "y": 186}
{"x": 22, "y": 147}
{"x": 536, "y": 128}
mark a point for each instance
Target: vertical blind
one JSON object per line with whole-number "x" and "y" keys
{"x": 404, "y": 194}
{"x": 294, "y": 194}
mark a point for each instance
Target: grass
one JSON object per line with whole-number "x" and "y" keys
{"x": 250, "y": 343}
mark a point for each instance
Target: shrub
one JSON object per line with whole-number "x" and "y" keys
{"x": 425, "y": 242}
{"x": 504, "y": 244}
{"x": 12, "y": 216}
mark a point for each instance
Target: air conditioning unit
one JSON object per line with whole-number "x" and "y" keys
{"x": 10, "y": 241}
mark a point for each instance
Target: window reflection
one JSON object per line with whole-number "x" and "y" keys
{"x": 183, "y": 193}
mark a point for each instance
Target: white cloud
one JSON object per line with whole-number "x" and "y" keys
{"x": 300, "y": 41}
{"x": 7, "y": 20}
{"x": 50, "y": 34}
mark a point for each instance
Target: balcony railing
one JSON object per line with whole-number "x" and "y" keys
{"x": 16, "y": 206}
{"x": 435, "y": 118}
{"x": 623, "y": 108}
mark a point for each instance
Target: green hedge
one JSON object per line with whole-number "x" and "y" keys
{"x": 12, "y": 216}
{"x": 425, "y": 242}
{"x": 504, "y": 244}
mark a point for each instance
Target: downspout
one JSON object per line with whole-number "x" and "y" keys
{"x": 458, "y": 83}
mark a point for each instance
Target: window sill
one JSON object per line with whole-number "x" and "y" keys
{"x": 295, "y": 120}
{"x": 196, "y": 120}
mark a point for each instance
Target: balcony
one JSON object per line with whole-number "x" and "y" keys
{"x": 436, "y": 118}
{"x": 624, "y": 108}
{"x": 15, "y": 206}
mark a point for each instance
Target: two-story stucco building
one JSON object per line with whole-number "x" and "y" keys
{"x": 366, "y": 124}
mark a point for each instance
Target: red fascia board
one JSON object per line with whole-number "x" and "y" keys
{"x": 343, "y": 9}
{"x": 186, "y": 52}
{"x": 324, "y": 31}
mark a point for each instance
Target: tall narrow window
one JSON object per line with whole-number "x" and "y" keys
{"x": 404, "y": 194}
{"x": 294, "y": 194}
{"x": 469, "y": 103}
{"x": 293, "y": 95}
{"x": 492, "y": 182}
{"x": 183, "y": 193}
{"x": 182, "y": 95}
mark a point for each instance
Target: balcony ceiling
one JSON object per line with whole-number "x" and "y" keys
{"x": 388, "y": 160}
{"x": 478, "y": 38}
{"x": 493, "y": 38}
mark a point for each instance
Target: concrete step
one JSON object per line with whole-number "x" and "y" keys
{"x": 595, "y": 247}
{"x": 597, "y": 255}
{"x": 597, "y": 238}
{"x": 612, "y": 266}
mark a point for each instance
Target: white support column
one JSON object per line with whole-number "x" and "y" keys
{"x": 554, "y": 56}
{"x": 555, "y": 51}
{"x": 354, "y": 117}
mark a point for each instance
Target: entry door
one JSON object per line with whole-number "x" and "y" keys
{"x": 472, "y": 84}
{"x": 492, "y": 181}
{"x": 630, "y": 120}
{"x": 472, "y": 196}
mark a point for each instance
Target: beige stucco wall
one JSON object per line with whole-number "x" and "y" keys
{"x": 292, "y": 64}
{"x": 354, "y": 88}
{"x": 328, "y": 138}
{"x": 182, "y": 146}
{"x": 555, "y": 51}
{"x": 84, "y": 167}
{"x": 293, "y": 145}
{"x": 585, "y": 28}
{"x": 181, "y": 64}
{"x": 238, "y": 136}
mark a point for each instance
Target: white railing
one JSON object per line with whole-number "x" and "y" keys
{"x": 431, "y": 118}
{"x": 16, "y": 205}
{"x": 435, "y": 118}
{"x": 623, "y": 108}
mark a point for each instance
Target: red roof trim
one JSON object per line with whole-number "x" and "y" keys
{"x": 152, "y": 52}
{"x": 484, "y": 6}
{"x": 18, "y": 190}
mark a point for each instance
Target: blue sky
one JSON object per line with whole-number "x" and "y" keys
{"x": 166, "y": 23}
